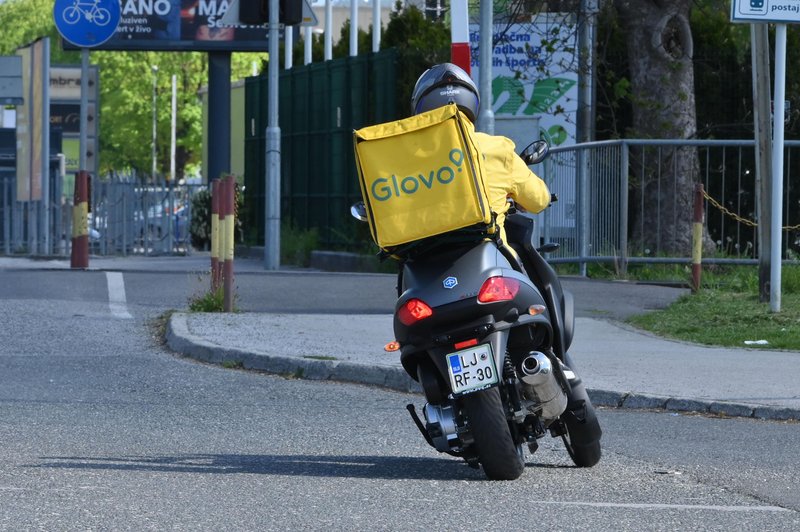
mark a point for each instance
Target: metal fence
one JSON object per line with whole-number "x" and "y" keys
{"x": 127, "y": 216}
{"x": 599, "y": 210}
{"x": 599, "y": 216}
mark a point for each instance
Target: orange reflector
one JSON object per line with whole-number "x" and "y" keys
{"x": 391, "y": 347}
{"x": 466, "y": 343}
{"x": 533, "y": 310}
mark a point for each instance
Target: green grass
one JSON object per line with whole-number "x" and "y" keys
{"x": 211, "y": 301}
{"x": 726, "y": 318}
{"x": 726, "y": 312}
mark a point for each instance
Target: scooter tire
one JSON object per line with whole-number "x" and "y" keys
{"x": 496, "y": 450}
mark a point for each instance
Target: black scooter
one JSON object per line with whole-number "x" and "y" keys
{"x": 485, "y": 328}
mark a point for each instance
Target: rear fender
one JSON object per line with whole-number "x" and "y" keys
{"x": 569, "y": 319}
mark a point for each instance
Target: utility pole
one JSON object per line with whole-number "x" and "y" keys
{"x": 759, "y": 38}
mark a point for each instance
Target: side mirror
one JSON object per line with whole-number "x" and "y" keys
{"x": 359, "y": 211}
{"x": 535, "y": 152}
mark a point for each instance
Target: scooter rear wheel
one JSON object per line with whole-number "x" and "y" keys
{"x": 497, "y": 452}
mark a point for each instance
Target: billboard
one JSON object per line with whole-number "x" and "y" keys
{"x": 530, "y": 82}
{"x": 180, "y": 25}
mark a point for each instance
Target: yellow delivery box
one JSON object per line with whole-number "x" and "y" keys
{"x": 421, "y": 177}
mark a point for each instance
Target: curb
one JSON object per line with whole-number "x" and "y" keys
{"x": 180, "y": 340}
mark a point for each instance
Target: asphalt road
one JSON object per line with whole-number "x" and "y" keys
{"x": 103, "y": 428}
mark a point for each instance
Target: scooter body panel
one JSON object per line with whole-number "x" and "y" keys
{"x": 449, "y": 283}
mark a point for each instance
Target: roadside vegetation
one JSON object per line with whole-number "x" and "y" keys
{"x": 725, "y": 311}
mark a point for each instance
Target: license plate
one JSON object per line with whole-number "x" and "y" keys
{"x": 472, "y": 369}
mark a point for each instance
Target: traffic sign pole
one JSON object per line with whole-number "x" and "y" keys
{"x": 85, "y": 25}
{"x": 779, "y": 12}
{"x": 777, "y": 168}
{"x": 84, "y": 118}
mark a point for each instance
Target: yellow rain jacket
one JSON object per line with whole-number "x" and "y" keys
{"x": 507, "y": 176}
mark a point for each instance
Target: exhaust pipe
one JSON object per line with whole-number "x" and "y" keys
{"x": 540, "y": 384}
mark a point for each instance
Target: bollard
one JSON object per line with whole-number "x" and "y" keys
{"x": 79, "y": 256}
{"x": 697, "y": 237}
{"x": 216, "y": 267}
{"x": 229, "y": 185}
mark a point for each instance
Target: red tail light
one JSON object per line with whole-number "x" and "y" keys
{"x": 413, "y": 311}
{"x": 498, "y": 289}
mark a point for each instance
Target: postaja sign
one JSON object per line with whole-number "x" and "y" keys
{"x": 185, "y": 25}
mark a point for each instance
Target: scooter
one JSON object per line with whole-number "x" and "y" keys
{"x": 485, "y": 327}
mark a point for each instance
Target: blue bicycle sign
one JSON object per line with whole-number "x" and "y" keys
{"x": 91, "y": 11}
{"x": 86, "y": 23}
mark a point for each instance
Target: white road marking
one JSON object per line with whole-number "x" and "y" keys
{"x": 116, "y": 296}
{"x": 657, "y": 506}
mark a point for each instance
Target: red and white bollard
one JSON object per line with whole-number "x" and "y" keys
{"x": 697, "y": 237}
{"x": 459, "y": 34}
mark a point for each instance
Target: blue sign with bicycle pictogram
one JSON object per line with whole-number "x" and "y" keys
{"x": 86, "y": 23}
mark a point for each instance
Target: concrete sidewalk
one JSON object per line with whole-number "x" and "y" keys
{"x": 621, "y": 367}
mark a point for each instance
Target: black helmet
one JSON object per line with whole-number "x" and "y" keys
{"x": 443, "y": 84}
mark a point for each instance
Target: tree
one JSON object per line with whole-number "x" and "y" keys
{"x": 126, "y": 88}
{"x": 420, "y": 44}
{"x": 660, "y": 50}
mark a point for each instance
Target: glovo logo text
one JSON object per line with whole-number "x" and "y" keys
{"x": 386, "y": 188}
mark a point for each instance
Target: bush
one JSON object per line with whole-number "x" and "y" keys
{"x": 200, "y": 226}
{"x": 297, "y": 245}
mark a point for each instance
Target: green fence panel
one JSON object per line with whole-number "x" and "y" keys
{"x": 320, "y": 106}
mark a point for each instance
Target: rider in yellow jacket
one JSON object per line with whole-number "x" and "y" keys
{"x": 507, "y": 174}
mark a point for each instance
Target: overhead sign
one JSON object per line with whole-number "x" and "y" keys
{"x": 186, "y": 25}
{"x": 86, "y": 23}
{"x": 777, "y": 11}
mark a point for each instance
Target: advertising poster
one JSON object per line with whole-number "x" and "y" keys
{"x": 24, "y": 131}
{"x": 185, "y": 25}
{"x": 534, "y": 77}
{"x": 33, "y": 128}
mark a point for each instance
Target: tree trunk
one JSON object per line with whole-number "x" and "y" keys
{"x": 659, "y": 43}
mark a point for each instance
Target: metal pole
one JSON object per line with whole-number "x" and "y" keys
{"x": 172, "y": 148}
{"x": 353, "y": 28}
{"x": 777, "y": 167}
{"x": 623, "y": 206}
{"x": 272, "y": 220}
{"x": 83, "y": 148}
{"x": 84, "y": 118}
{"x": 582, "y": 157}
{"x": 585, "y": 128}
{"x": 486, "y": 114}
{"x": 44, "y": 225}
{"x": 288, "y": 47}
{"x": 376, "y": 25}
{"x": 219, "y": 113}
{"x": 328, "y": 36}
{"x": 154, "y": 68}
{"x": 307, "y": 42}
